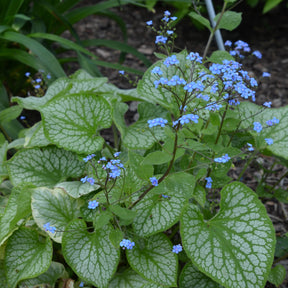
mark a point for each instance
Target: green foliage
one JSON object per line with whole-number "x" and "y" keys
{"x": 73, "y": 204}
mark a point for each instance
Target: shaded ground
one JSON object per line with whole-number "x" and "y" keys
{"x": 268, "y": 34}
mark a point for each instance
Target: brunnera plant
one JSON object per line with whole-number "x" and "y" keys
{"x": 145, "y": 211}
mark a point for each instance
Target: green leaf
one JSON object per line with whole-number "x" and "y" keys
{"x": 157, "y": 158}
{"x": 154, "y": 260}
{"x": 116, "y": 237}
{"x": 45, "y": 57}
{"x": 44, "y": 167}
{"x": 277, "y": 275}
{"x": 201, "y": 20}
{"x": 122, "y": 213}
{"x": 128, "y": 279}
{"x": 191, "y": 277}
{"x": 54, "y": 272}
{"x": 26, "y": 255}
{"x": 3, "y": 280}
{"x": 34, "y": 137}
{"x": 53, "y": 206}
{"x": 157, "y": 214}
{"x": 200, "y": 195}
{"x": 270, "y": 4}
{"x": 3, "y": 158}
{"x": 235, "y": 247}
{"x": 73, "y": 121}
{"x": 219, "y": 56}
{"x": 279, "y": 132}
{"x": 10, "y": 114}
{"x": 102, "y": 219}
{"x": 161, "y": 95}
{"x": 76, "y": 189}
{"x": 18, "y": 207}
{"x": 142, "y": 171}
{"x": 91, "y": 255}
{"x": 229, "y": 21}
{"x": 138, "y": 135}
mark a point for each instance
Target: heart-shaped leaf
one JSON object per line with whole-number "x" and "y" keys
{"x": 91, "y": 255}
{"x": 235, "y": 247}
{"x": 191, "y": 277}
{"x": 77, "y": 189}
{"x": 53, "y": 206}
{"x": 44, "y": 167}
{"x": 154, "y": 260}
{"x": 73, "y": 121}
{"x": 26, "y": 255}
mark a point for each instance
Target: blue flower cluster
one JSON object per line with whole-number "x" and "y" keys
{"x": 156, "y": 70}
{"x": 175, "y": 80}
{"x": 209, "y": 182}
{"x": 93, "y": 204}
{"x": 250, "y": 147}
{"x": 172, "y": 60}
{"x": 89, "y": 157}
{"x": 186, "y": 119}
{"x": 257, "y": 127}
{"x": 235, "y": 80}
{"x": 194, "y": 56}
{"x": 269, "y": 141}
{"x": 49, "y": 228}
{"x": 177, "y": 248}
{"x": 213, "y": 106}
{"x": 225, "y": 158}
{"x": 161, "y": 39}
{"x": 154, "y": 181}
{"x": 114, "y": 167}
{"x": 88, "y": 179}
{"x": 272, "y": 121}
{"x": 125, "y": 243}
{"x": 267, "y": 104}
{"x": 157, "y": 122}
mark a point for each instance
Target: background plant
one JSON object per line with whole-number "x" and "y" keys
{"x": 174, "y": 161}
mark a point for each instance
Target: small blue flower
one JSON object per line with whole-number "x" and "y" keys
{"x": 125, "y": 243}
{"x": 171, "y": 60}
{"x": 167, "y": 13}
{"x": 250, "y": 147}
{"x": 228, "y": 43}
{"x": 165, "y": 196}
{"x": 90, "y": 180}
{"x": 122, "y": 72}
{"x": 173, "y": 18}
{"x": 49, "y": 228}
{"x": 257, "y": 127}
{"x": 194, "y": 57}
{"x": 22, "y": 117}
{"x": 116, "y": 154}
{"x": 225, "y": 158}
{"x": 27, "y": 74}
{"x": 37, "y": 86}
{"x": 154, "y": 181}
{"x": 157, "y": 122}
{"x": 156, "y": 70}
{"x": 149, "y": 23}
{"x": 38, "y": 80}
{"x": 81, "y": 284}
{"x": 89, "y": 157}
{"x": 169, "y": 32}
{"x": 48, "y": 76}
{"x": 257, "y": 54}
{"x": 83, "y": 180}
{"x": 266, "y": 74}
{"x": 209, "y": 182}
{"x": 160, "y": 39}
{"x": 272, "y": 121}
{"x": 93, "y": 204}
{"x": 269, "y": 141}
{"x": 177, "y": 248}
{"x": 267, "y": 104}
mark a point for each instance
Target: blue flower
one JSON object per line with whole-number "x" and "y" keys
{"x": 167, "y": 13}
{"x": 267, "y": 104}
{"x": 48, "y": 76}
{"x": 93, "y": 204}
{"x": 171, "y": 60}
{"x": 194, "y": 57}
{"x": 266, "y": 74}
{"x": 269, "y": 141}
{"x": 49, "y": 228}
{"x": 173, "y": 18}
{"x": 209, "y": 182}
{"x": 169, "y": 32}
{"x": 228, "y": 43}
{"x": 160, "y": 39}
{"x": 257, "y": 54}
{"x": 83, "y": 180}
{"x": 165, "y": 196}
{"x": 257, "y": 127}
{"x": 116, "y": 154}
{"x": 27, "y": 74}
{"x": 38, "y": 80}
{"x": 81, "y": 284}
{"x": 149, "y": 23}
{"x": 272, "y": 121}
{"x": 177, "y": 248}
{"x": 22, "y": 117}
{"x": 157, "y": 122}
{"x": 187, "y": 118}
{"x": 90, "y": 180}
{"x": 250, "y": 147}
{"x": 89, "y": 157}
{"x": 121, "y": 72}
{"x": 37, "y": 86}
{"x": 225, "y": 158}
{"x": 154, "y": 181}
{"x": 156, "y": 70}
{"x": 125, "y": 243}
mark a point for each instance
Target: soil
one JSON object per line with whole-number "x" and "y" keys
{"x": 266, "y": 33}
